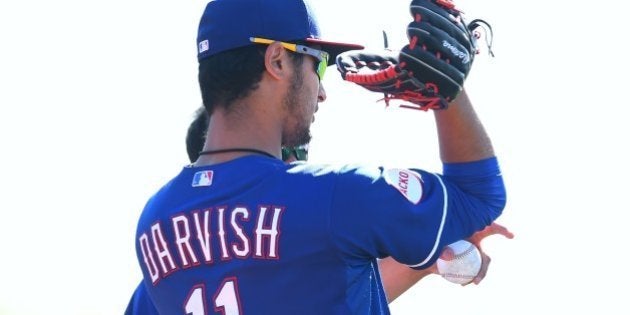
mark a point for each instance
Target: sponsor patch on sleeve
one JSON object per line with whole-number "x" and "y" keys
{"x": 407, "y": 182}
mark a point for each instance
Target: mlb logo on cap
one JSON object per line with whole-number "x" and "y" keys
{"x": 202, "y": 179}
{"x": 203, "y": 46}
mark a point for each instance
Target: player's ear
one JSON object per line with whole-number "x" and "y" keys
{"x": 276, "y": 60}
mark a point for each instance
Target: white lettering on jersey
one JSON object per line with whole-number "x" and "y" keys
{"x": 224, "y": 251}
{"x": 243, "y": 251}
{"x": 203, "y": 234}
{"x": 182, "y": 240}
{"x": 155, "y": 245}
{"x": 271, "y": 232}
{"x": 147, "y": 256}
{"x": 407, "y": 182}
{"x": 161, "y": 248}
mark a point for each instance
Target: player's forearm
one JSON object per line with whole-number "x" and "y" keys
{"x": 398, "y": 278}
{"x": 461, "y": 135}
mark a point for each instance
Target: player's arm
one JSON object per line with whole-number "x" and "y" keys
{"x": 397, "y": 278}
{"x": 430, "y": 72}
{"x": 462, "y": 137}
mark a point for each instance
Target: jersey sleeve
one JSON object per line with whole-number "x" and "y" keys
{"x": 411, "y": 214}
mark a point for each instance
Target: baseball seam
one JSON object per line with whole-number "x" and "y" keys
{"x": 465, "y": 253}
{"x": 461, "y": 256}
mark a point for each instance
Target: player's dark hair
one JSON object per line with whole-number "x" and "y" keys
{"x": 233, "y": 74}
{"x": 196, "y": 135}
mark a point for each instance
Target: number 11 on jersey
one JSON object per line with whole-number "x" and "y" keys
{"x": 226, "y": 299}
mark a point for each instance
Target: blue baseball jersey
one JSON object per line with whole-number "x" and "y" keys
{"x": 140, "y": 303}
{"x": 256, "y": 236}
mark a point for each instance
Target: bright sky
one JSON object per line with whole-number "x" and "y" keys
{"x": 95, "y": 98}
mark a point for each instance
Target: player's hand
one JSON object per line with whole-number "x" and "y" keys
{"x": 429, "y": 72}
{"x": 476, "y": 239}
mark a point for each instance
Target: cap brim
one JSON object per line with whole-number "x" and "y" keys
{"x": 333, "y": 48}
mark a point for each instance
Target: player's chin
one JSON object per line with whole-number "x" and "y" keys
{"x": 308, "y": 119}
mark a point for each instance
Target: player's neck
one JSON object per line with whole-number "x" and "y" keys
{"x": 234, "y": 136}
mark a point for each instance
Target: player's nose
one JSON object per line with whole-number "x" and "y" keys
{"x": 321, "y": 95}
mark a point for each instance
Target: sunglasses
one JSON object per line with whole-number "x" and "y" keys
{"x": 300, "y": 153}
{"x": 321, "y": 56}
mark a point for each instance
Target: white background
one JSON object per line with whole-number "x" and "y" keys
{"x": 95, "y": 98}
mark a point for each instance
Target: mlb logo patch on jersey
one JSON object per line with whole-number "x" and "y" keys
{"x": 407, "y": 182}
{"x": 202, "y": 179}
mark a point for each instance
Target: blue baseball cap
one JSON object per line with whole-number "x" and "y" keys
{"x": 228, "y": 24}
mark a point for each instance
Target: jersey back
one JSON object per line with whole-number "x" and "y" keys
{"x": 256, "y": 236}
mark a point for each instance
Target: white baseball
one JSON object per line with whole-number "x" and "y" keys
{"x": 464, "y": 266}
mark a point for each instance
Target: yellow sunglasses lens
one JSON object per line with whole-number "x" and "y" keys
{"x": 321, "y": 68}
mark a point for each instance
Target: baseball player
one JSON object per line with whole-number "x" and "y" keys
{"x": 140, "y": 303}
{"x": 396, "y": 278}
{"x": 241, "y": 232}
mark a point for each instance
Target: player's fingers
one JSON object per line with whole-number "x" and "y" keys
{"x": 496, "y": 228}
{"x": 491, "y": 229}
{"x": 485, "y": 263}
{"x": 503, "y": 231}
{"x": 447, "y": 254}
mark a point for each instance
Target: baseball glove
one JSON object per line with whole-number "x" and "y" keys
{"x": 430, "y": 70}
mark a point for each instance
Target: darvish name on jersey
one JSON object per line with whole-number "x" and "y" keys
{"x": 192, "y": 238}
